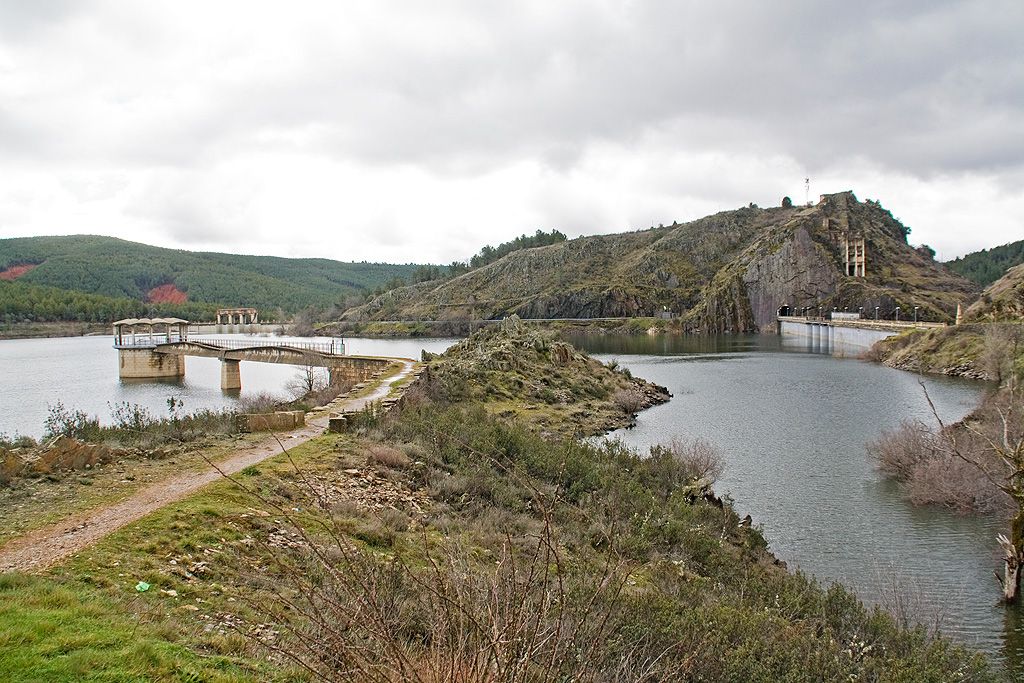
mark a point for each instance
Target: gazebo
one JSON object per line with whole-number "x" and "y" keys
{"x": 132, "y": 333}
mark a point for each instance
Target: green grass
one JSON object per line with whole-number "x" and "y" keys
{"x": 85, "y": 621}
{"x": 34, "y": 503}
{"x": 51, "y": 632}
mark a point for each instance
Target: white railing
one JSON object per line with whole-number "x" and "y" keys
{"x": 332, "y": 347}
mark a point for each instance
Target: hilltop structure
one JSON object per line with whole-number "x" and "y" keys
{"x": 730, "y": 272}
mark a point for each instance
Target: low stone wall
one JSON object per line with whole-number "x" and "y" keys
{"x": 339, "y": 420}
{"x": 281, "y": 421}
{"x": 357, "y": 368}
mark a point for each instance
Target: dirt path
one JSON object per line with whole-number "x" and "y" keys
{"x": 42, "y": 548}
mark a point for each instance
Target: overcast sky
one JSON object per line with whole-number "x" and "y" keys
{"x": 419, "y": 131}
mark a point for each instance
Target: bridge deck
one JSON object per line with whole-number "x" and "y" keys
{"x": 162, "y": 345}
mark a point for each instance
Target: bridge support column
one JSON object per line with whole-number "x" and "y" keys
{"x": 230, "y": 375}
{"x": 147, "y": 364}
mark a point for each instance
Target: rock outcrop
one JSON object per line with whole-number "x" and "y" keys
{"x": 517, "y": 370}
{"x": 730, "y": 272}
{"x": 61, "y": 454}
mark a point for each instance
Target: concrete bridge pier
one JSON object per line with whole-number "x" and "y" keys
{"x": 230, "y": 375}
{"x": 146, "y": 364}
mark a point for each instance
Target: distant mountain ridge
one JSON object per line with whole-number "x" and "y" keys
{"x": 120, "y": 269}
{"x": 730, "y": 272}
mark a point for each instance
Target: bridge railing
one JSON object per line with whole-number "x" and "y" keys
{"x": 862, "y": 322}
{"x": 334, "y": 346}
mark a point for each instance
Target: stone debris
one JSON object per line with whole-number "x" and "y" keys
{"x": 368, "y": 490}
{"x": 284, "y": 539}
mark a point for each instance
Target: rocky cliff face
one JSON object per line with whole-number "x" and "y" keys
{"x": 729, "y": 272}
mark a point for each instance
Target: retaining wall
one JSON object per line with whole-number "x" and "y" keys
{"x": 339, "y": 419}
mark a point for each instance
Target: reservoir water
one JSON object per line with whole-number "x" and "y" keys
{"x": 792, "y": 426}
{"x": 81, "y": 373}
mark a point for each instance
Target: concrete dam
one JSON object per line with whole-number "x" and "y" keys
{"x": 844, "y": 333}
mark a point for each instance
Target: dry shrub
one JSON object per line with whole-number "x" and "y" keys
{"x": 525, "y": 614}
{"x": 698, "y": 458}
{"x": 630, "y": 401}
{"x": 900, "y": 451}
{"x": 955, "y": 484}
{"x": 924, "y": 461}
{"x": 387, "y": 456}
{"x": 907, "y": 602}
{"x": 326, "y": 394}
{"x": 263, "y": 402}
{"x": 999, "y": 351}
{"x": 415, "y": 451}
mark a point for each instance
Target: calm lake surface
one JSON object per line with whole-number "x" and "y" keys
{"x": 791, "y": 423}
{"x": 792, "y": 426}
{"x": 81, "y": 373}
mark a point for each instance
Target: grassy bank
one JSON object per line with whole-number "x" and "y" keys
{"x": 972, "y": 350}
{"x": 653, "y": 572}
{"x": 446, "y": 540}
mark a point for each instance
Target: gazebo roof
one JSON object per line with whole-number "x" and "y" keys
{"x": 149, "y": 321}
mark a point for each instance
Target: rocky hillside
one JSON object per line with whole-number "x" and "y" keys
{"x": 727, "y": 272}
{"x": 988, "y": 345}
{"x": 1002, "y": 301}
{"x": 518, "y": 371}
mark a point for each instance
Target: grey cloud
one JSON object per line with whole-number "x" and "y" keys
{"x": 21, "y": 20}
{"x": 921, "y": 87}
{"x": 917, "y": 88}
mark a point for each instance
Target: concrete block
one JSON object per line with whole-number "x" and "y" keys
{"x": 281, "y": 421}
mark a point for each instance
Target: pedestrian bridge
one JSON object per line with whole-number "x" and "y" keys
{"x": 155, "y": 348}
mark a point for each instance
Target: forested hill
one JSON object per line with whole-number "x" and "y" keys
{"x": 129, "y": 271}
{"x": 988, "y": 265}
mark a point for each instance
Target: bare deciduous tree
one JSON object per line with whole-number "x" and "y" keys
{"x": 307, "y": 380}
{"x": 995, "y": 447}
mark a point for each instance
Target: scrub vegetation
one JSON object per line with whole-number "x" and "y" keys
{"x": 976, "y": 465}
{"x": 443, "y": 541}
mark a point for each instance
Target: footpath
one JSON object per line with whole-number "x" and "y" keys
{"x": 40, "y": 549}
